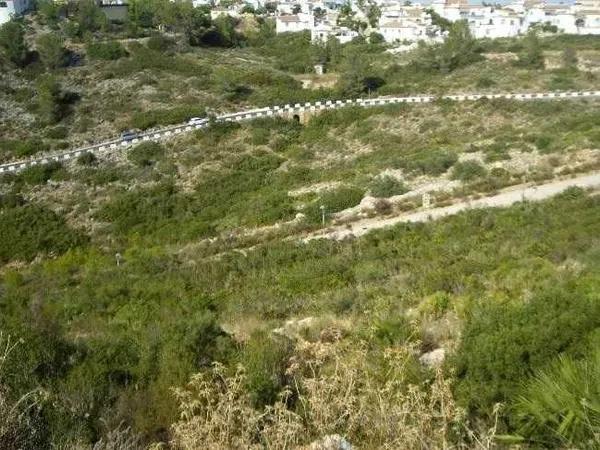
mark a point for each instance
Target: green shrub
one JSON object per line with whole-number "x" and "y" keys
{"x": 207, "y": 341}
{"x": 246, "y": 192}
{"x": 265, "y": 358}
{"x": 107, "y": 51}
{"x": 292, "y": 51}
{"x": 499, "y": 172}
{"x": 260, "y": 136}
{"x": 24, "y": 95}
{"x": 40, "y": 174}
{"x": 61, "y": 145}
{"x": 87, "y": 159}
{"x": 387, "y": 186}
{"x": 333, "y": 201}
{"x": 392, "y": 331}
{"x": 160, "y": 43}
{"x": 503, "y": 343}
{"x": 484, "y": 82}
{"x": 532, "y": 56}
{"x": 562, "y": 82}
{"x": 143, "y": 58}
{"x": 341, "y": 198}
{"x": 497, "y": 150}
{"x": 23, "y": 148}
{"x": 431, "y": 162}
{"x": 30, "y": 147}
{"x": 99, "y": 176}
{"x": 142, "y": 209}
{"x": 59, "y": 132}
{"x": 543, "y": 142}
{"x": 467, "y": 171}
{"x": 26, "y": 231}
{"x": 11, "y": 200}
{"x": 146, "y": 153}
{"x": 376, "y": 38}
{"x": 459, "y": 49}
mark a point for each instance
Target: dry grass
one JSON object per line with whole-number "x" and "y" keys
{"x": 16, "y": 428}
{"x": 334, "y": 391}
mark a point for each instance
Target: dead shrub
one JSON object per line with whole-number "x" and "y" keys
{"x": 337, "y": 391}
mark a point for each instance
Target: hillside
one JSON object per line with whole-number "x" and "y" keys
{"x": 186, "y": 294}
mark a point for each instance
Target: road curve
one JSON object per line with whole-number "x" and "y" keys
{"x": 168, "y": 132}
{"x": 507, "y": 197}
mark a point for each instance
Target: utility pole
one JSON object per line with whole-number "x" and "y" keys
{"x": 322, "y": 208}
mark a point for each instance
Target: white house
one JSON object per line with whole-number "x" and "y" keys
{"x": 294, "y": 22}
{"x": 323, "y": 31}
{"x": 198, "y": 3}
{"x": 406, "y": 23}
{"x": 492, "y": 23}
{"x": 12, "y": 8}
{"x": 588, "y": 22}
{"x": 402, "y": 22}
{"x": 587, "y": 16}
{"x": 215, "y": 13}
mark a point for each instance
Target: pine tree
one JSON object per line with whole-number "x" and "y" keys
{"x": 12, "y": 43}
{"x": 49, "y": 99}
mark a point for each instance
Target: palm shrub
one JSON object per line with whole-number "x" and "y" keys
{"x": 560, "y": 405}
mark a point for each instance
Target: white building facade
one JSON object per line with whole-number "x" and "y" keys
{"x": 292, "y": 23}
{"x": 404, "y": 23}
{"x": 12, "y": 8}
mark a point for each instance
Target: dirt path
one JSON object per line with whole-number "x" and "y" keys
{"x": 505, "y": 198}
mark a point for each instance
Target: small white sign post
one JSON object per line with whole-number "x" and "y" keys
{"x": 426, "y": 200}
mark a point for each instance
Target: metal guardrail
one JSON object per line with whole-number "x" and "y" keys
{"x": 153, "y": 135}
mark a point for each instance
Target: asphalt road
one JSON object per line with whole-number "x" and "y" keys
{"x": 285, "y": 110}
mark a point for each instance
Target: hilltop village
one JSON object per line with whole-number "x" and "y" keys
{"x": 397, "y": 22}
{"x": 407, "y": 22}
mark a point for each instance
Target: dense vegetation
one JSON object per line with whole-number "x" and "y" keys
{"x": 165, "y": 293}
{"x": 108, "y": 340}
